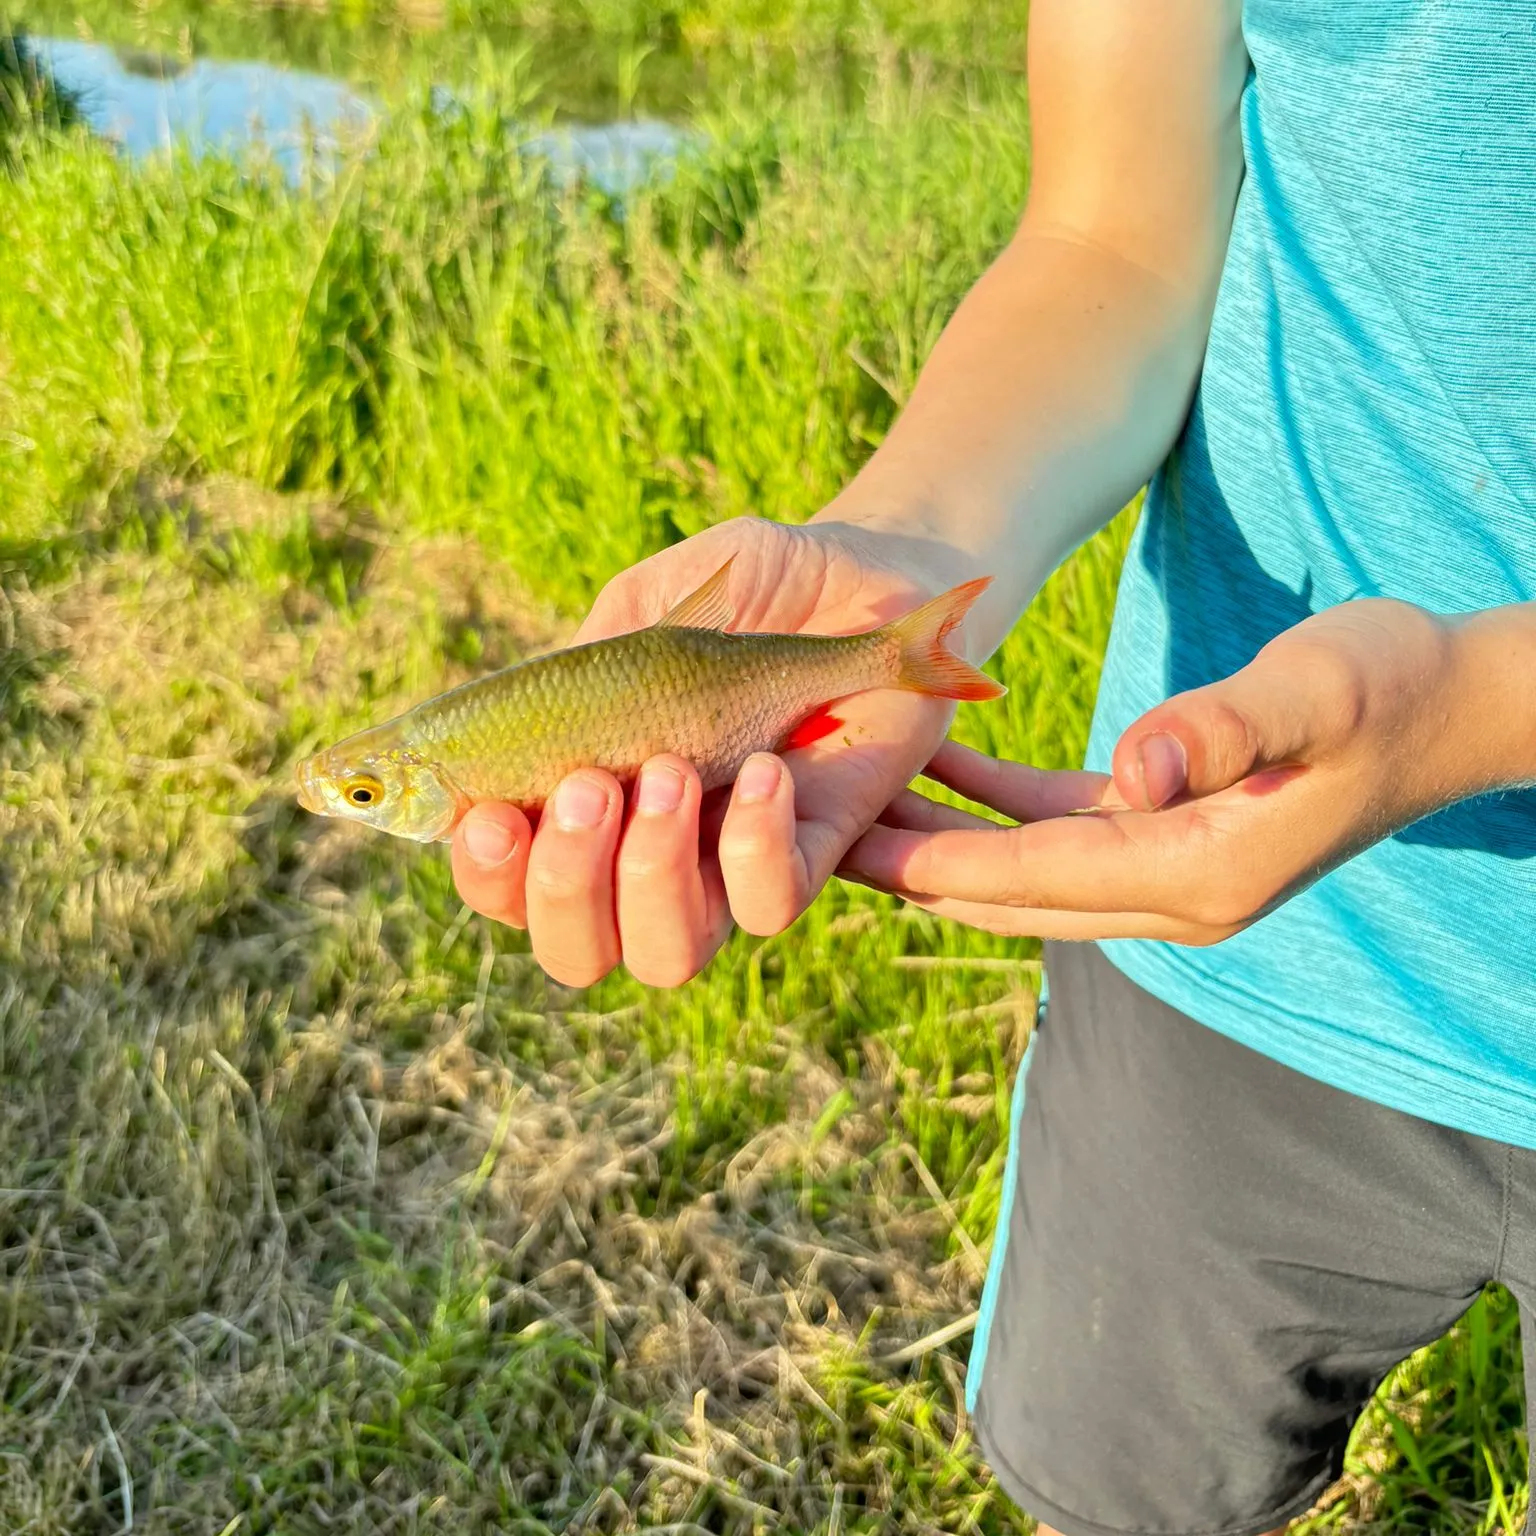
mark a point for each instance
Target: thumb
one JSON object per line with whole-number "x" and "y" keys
{"x": 618, "y": 609}
{"x": 1205, "y": 740}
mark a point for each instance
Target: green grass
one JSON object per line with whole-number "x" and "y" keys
{"x": 321, "y": 1207}
{"x": 28, "y": 98}
{"x": 591, "y": 60}
{"x": 377, "y": 33}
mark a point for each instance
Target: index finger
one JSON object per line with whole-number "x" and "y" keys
{"x": 1085, "y": 864}
{"x": 1017, "y": 789}
{"x": 490, "y": 862}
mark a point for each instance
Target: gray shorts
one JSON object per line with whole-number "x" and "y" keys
{"x": 1207, "y": 1262}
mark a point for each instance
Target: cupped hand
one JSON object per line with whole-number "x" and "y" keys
{"x": 657, "y": 882}
{"x": 1223, "y": 802}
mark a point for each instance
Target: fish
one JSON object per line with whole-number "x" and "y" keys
{"x": 686, "y": 685}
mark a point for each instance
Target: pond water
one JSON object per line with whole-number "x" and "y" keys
{"x": 146, "y": 100}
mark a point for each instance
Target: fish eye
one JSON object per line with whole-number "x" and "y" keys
{"x": 364, "y": 791}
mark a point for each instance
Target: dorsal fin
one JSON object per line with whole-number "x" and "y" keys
{"x": 706, "y": 608}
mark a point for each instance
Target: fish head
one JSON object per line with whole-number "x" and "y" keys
{"x": 383, "y": 785}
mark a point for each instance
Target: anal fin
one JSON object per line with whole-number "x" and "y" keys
{"x": 820, "y": 722}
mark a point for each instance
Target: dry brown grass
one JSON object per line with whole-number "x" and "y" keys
{"x": 322, "y": 1208}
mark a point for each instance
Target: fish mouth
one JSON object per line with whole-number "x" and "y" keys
{"x": 309, "y": 792}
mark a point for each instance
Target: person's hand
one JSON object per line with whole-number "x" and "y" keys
{"x": 1223, "y": 802}
{"x": 656, "y": 884}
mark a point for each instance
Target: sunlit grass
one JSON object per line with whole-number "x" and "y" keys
{"x": 321, "y": 1206}
{"x": 379, "y": 37}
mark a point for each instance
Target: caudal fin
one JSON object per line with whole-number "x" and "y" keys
{"x": 927, "y": 664}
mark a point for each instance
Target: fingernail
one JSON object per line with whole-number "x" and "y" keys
{"x": 580, "y": 804}
{"x": 1164, "y": 768}
{"x": 660, "y": 791}
{"x": 758, "y": 779}
{"x": 487, "y": 842}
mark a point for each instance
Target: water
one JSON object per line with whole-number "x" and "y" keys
{"x": 146, "y": 102}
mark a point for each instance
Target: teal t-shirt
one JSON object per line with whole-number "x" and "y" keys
{"x": 1365, "y": 425}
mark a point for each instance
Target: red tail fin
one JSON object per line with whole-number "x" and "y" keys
{"x": 927, "y": 665}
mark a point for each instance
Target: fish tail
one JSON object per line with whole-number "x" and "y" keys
{"x": 927, "y": 665}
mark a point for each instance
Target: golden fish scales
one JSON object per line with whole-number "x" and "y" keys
{"x": 684, "y": 686}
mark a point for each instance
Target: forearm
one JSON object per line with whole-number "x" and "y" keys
{"x": 1057, "y": 388}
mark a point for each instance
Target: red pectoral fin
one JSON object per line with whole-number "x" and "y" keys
{"x": 820, "y": 722}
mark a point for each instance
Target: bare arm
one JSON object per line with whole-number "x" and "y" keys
{"x": 1059, "y": 384}
{"x": 1062, "y": 380}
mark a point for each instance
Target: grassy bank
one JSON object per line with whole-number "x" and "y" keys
{"x": 990, "y": 32}
{"x": 322, "y": 1209}
{"x": 595, "y": 60}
